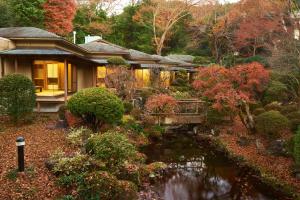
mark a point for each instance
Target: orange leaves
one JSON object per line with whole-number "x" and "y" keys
{"x": 161, "y": 104}
{"x": 59, "y": 15}
{"x": 228, "y": 87}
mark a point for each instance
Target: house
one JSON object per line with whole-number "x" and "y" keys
{"x": 59, "y": 68}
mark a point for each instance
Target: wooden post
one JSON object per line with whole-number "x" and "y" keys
{"x": 66, "y": 80}
{"x": 16, "y": 65}
{"x": 1, "y": 67}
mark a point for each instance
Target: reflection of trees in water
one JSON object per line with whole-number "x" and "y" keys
{"x": 194, "y": 180}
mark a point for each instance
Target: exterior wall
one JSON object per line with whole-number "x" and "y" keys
{"x": 86, "y": 77}
{"x": 23, "y": 66}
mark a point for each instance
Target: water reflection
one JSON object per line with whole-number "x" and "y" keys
{"x": 199, "y": 176}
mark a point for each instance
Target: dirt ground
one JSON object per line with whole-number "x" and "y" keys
{"x": 41, "y": 141}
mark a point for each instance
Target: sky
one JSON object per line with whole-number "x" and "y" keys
{"x": 124, "y": 3}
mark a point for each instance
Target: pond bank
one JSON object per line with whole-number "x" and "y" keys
{"x": 201, "y": 168}
{"x": 264, "y": 181}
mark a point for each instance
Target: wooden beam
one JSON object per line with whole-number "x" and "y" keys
{"x": 66, "y": 80}
{"x": 16, "y": 65}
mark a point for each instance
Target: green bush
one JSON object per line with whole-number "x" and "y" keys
{"x": 181, "y": 95}
{"x": 201, "y": 60}
{"x": 77, "y": 164}
{"x": 257, "y": 58}
{"x": 271, "y": 123}
{"x": 113, "y": 148}
{"x": 128, "y": 107}
{"x": 258, "y": 111}
{"x": 96, "y": 106}
{"x": 78, "y": 136}
{"x": 294, "y": 118}
{"x": 297, "y": 147}
{"x": 104, "y": 186}
{"x": 17, "y": 96}
{"x": 276, "y": 91}
{"x": 116, "y": 60}
{"x": 273, "y": 106}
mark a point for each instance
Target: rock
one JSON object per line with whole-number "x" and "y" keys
{"x": 260, "y": 147}
{"x": 243, "y": 141}
{"x": 277, "y": 148}
{"x": 61, "y": 124}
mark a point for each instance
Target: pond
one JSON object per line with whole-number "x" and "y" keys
{"x": 196, "y": 173}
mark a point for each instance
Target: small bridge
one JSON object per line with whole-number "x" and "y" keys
{"x": 190, "y": 111}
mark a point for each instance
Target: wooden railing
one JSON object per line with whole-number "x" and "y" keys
{"x": 188, "y": 107}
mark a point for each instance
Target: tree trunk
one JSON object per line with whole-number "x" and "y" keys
{"x": 247, "y": 118}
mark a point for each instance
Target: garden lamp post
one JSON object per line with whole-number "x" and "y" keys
{"x": 20, "y": 142}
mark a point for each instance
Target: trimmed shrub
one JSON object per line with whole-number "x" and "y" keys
{"x": 294, "y": 118}
{"x": 273, "y": 106}
{"x": 116, "y": 60}
{"x": 276, "y": 91}
{"x": 271, "y": 123}
{"x": 113, "y": 148}
{"x": 297, "y": 147}
{"x": 96, "y": 106}
{"x": 17, "y": 96}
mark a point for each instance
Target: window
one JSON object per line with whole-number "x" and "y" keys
{"x": 142, "y": 77}
{"x": 49, "y": 77}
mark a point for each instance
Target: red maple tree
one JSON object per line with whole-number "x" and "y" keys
{"x": 260, "y": 23}
{"x": 59, "y": 15}
{"x": 161, "y": 105}
{"x": 233, "y": 89}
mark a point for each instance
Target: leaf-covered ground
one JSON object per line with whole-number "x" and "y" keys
{"x": 37, "y": 182}
{"x": 277, "y": 166}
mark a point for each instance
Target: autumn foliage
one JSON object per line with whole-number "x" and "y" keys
{"x": 59, "y": 15}
{"x": 232, "y": 89}
{"x": 161, "y": 104}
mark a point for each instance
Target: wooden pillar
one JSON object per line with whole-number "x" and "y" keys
{"x": 16, "y": 65}
{"x": 94, "y": 76}
{"x": 66, "y": 80}
{"x": 1, "y": 66}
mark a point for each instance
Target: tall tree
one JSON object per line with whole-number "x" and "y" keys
{"x": 127, "y": 32}
{"x": 162, "y": 16}
{"x": 59, "y": 15}
{"x": 22, "y": 13}
{"x": 253, "y": 24}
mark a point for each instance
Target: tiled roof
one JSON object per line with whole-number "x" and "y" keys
{"x": 25, "y": 32}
